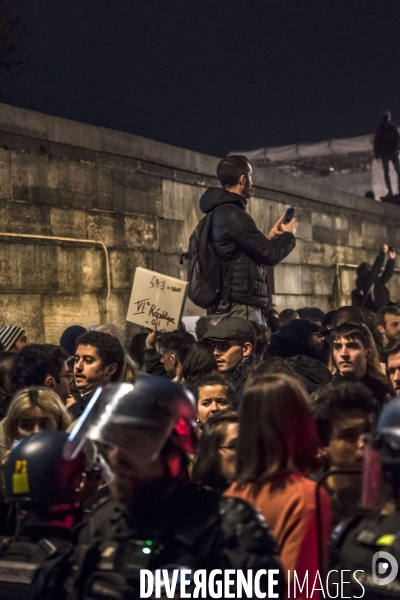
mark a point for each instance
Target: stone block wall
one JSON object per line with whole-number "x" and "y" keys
{"x": 140, "y": 198}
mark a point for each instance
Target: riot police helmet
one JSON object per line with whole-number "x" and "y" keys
{"x": 36, "y": 472}
{"x": 139, "y": 418}
{"x": 387, "y": 439}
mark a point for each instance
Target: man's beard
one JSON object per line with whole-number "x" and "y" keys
{"x": 247, "y": 191}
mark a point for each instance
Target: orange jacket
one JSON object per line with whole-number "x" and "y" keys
{"x": 289, "y": 508}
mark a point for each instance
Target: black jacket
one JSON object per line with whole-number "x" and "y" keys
{"x": 188, "y": 527}
{"x": 386, "y": 140}
{"x": 312, "y": 371}
{"x": 234, "y": 236}
{"x": 374, "y": 283}
{"x": 381, "y": 391}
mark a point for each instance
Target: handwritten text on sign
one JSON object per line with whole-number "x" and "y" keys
{"x": 157, "y": 300}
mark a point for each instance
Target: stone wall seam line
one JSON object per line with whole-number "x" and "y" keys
{"x": 73, "y": 240}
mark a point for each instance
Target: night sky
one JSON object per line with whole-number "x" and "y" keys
{"x": 214, "y": 75}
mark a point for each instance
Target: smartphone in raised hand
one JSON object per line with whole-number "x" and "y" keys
{"x": 289, "y": 214}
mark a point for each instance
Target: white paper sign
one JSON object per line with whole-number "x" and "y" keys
{"x": 157, "y": 300}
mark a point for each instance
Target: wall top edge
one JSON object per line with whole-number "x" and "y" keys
{"x": 28, "y": 123}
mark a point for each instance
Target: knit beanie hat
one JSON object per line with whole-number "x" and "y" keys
{"x": 9, "y": 335}
{"x": 69, "y": 337}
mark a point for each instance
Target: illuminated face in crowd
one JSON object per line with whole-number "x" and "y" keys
{"x": 61, "y": 384}
{"x": 391, "y": 331}
{"x": 89, "y": 368}
{"x": 229, "y": 353}
{"x": 346, "y": 445}
{"x": 21, "y": 342}
{"x": 393, "y": 371}
{"x": 350, "y": 357}
{"x": 211, "y": 399}
{"x": 35, "y": 420}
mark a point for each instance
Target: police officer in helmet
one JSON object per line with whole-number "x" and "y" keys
{"x": 371, "y": 544}
{"x": 157, "y": 518}
{"x": 49, "y": 492}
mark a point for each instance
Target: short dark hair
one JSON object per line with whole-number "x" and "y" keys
{"x": 393, "y": 347}
{"x": 231, "y": 168}
{"x": 178, "y": 343}
{"x": 334, "y": 400}
{"x": 207, "y": 471}
{"x": 215, "y": 380}
{"x": 136, "y": 348}
{"x": 262, "y": 339}
{"x": 204, "y": 324}
{"x": 109, "y": 349}
{"x": 358, "y": 331}
{"x": 272, "y": 364}
{"x": 348, "y": 313}
{"x": 386, "y": 310}
{"x": 34, "y": 362}
{"x": 199, "y": 362}
{"x": 286, "y": 315}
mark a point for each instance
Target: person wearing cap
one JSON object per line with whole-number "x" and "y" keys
{"x": 13, "y": 338}
{"x": 69, "y": 337}
{"x": 302, "y": 344}
{"x": 234, "y": 343}
{"x": 157, "y": 518}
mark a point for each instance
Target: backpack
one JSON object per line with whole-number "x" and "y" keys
{"x": 206, "y": 273}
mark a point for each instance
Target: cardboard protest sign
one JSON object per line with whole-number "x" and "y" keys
{"x": 157, "y": 300}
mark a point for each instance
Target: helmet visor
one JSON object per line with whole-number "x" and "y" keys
{"x": 115, "y": 418}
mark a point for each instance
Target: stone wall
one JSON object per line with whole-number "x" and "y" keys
{"x": 140, "y": 199}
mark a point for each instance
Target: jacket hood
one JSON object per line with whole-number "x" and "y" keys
{"x": 214, "y": 197}
{"x": 312, "y": 371}
{"x": 292, "y": 339}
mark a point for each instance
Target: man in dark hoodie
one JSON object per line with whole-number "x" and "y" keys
{"x": 386, "y": 147}
{"x": 371, "y": 292}
{"x": 235, "y": 237}
{"x": 302, "y": 344}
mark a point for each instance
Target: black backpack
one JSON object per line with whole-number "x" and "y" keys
{"x": 206, "y": 273}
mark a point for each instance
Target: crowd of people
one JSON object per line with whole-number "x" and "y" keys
{"x": 276, "y": 414}
{"x": 253, "y": 446}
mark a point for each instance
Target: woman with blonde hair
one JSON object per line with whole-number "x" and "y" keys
{"x": 32, "y": 410}
{"x": 277, "y": 446}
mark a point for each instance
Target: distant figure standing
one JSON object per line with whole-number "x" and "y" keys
{"x": 386, "y": 148}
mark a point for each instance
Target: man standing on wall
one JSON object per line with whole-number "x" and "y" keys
{"x": 235, "y": 237}
{"x": 386, "y": 148}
